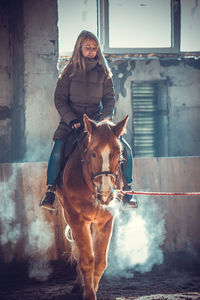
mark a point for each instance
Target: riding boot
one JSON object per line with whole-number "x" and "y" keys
{"x": 53, "y": 170}
{"x": 49, "y": 198}
{"x": 129, "y": 199}
{"x": 127, "y": 170}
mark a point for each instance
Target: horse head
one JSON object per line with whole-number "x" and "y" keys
{"x": 103, "y": 156}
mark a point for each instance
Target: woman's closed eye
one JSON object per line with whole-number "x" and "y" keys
{"x": 88, "y": 48}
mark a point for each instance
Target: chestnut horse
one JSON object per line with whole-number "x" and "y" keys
{"x": 91, "y": 175}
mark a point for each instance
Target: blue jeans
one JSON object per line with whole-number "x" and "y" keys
{"x": 128, "y": 167}
{"x": 56, "y": 161}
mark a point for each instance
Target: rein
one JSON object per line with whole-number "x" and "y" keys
{"x": 79, "y": 147}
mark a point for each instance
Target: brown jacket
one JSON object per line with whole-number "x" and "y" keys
{"x": 89, "y": 92}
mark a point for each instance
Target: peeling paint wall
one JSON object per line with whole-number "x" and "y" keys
{"x": 182, "y": 97}
{"x": 28, "y": 77}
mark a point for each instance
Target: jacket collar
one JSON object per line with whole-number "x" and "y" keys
{"x": 90, "y": 63}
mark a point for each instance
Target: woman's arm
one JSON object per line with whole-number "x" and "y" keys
{"x": 108, "y": 99}
{"x": 61, "y": 98}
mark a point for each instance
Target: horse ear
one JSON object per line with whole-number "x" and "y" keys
{"x": 90, "y": 125}
{"x": 120, "y": 127}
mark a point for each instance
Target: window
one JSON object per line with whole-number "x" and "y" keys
{"x": 73, "y": 17}
{"x": 142, "y": 26}
{"x": 149, "y": 118}
{"x": 149, "y": 26}
{"x": 131, "y": 26}
{"x": 190, "y": 25}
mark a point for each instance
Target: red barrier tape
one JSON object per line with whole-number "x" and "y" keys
{"x": 160, "y": 193}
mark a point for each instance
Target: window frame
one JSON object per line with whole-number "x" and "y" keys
{"x": 103, "y": 31}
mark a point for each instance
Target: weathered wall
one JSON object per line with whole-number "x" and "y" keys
{"x": 30, "y": 232}
{"x": 28, "y": 64}
{"x": 180, "y": 174}
{"x": 182, "y": 97}
{"x": 5, "y": 85}
{"x": 28, "y": 77}
{"x": 27, "y": 231}
{"x": 40, "y": 60}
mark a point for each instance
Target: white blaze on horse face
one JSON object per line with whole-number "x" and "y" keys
{"x": 106, "y": 180}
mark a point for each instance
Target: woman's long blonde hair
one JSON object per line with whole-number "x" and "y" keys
{"x": 77, "y": 60}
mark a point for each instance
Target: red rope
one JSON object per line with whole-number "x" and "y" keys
{"x": 161, "y": 193}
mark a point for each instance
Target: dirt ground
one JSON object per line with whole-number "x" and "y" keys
{"x": 158, "y": 284}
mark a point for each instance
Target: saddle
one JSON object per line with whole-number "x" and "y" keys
{"x": 70, "y": 146}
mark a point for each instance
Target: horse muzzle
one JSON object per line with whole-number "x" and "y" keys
{"x": 104, "y": 182}
{"x": 104, "y": 198}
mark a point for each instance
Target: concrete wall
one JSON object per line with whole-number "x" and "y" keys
{"x": 28, "y": 64}
{"x": 172, "y": 222}
{"x": 182, "y": 97}
{"x": 40, "y": 76}
{"x": 28, "y": 76}
{"x": 5, "y": 85}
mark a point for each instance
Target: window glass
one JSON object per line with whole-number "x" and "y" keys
{"x": 139, "y": 23}
{"x": 190, "y": 25}
{"x": 73, "y": 17}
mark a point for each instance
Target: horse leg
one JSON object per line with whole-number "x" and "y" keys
{"x": 78, "y": 284}
{"x": 101, "y": 241}
{"x": 82, "y": 235}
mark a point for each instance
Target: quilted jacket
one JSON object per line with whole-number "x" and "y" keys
{"x": 89, "y": 92}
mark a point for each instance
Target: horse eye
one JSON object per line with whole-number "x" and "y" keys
{"x": 93, "y": 154}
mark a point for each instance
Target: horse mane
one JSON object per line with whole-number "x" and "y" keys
{"x": 104, "y": 132}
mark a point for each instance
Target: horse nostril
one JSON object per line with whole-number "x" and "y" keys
{"x": 99, "y": 196}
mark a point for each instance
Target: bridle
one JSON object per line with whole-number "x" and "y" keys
{"x": 98, "y": 174}
{"x": 107, "y": 173}
{"x": 102, "y": 173}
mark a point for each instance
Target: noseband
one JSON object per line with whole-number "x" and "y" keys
{"x": 96, "y": 175}
{"x": 98, "y": 195}
{"x": 107, "y": 173}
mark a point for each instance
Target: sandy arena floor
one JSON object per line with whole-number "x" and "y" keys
{"x": 15, "y": 285}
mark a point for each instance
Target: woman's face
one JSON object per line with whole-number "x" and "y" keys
{"x": 89, "y": 48}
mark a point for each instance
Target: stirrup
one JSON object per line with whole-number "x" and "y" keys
{"x": 128, "y": 199}
{"x": 132, "y": 203}
{"x": 48, "y": 199}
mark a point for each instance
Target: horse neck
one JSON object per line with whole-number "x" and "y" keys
{"x": 80, "y": 162}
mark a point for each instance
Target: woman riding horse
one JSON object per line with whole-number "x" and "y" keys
{"x": 91, "y": 177}
{"x": 84, "y": 87}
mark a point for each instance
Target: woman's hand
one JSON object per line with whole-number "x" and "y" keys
{"x": 75, "y": 124}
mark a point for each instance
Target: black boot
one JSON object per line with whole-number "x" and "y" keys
{"x": 128, "y": 199}
{"x": 49, "y": 198}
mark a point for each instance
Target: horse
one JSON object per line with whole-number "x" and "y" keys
{"x": 90, "y": 177}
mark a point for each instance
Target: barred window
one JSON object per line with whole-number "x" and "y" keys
{"x": 149, "y": 118}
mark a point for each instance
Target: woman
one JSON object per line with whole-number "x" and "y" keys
{"x": 85, "y": 86}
